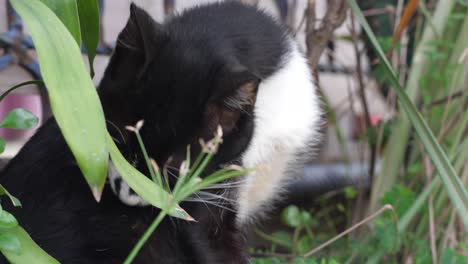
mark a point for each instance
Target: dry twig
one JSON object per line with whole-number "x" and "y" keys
{"x": 349, "y": 230}
{"x": 317, "y": 36}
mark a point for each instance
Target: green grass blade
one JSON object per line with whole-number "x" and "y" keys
{"x": 453, "y": 185}
{"x": 67, "y": 12}
{"x": 73, "y": 97}
{"x": 88, "y": 11}
{"x": 30, "y": 251}
{"x": 143, "y": 186}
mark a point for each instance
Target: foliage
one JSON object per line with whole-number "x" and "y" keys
{"x": 15, "y": 244}
{"x": 55, "y": 27}
{"x": 433, "y": 105}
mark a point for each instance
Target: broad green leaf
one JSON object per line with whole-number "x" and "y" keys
{"x": 143, "y": 186}
{"x": 7, "y": 220}
{"x": 88, "y": 11}
{"x": 73, "y": 97}
{"x": 9, "y": 243}
{"x": 24, "y": 248}
{"x": 455, "y": 189}
{"x": 18, "y": 86}
{"x": 283, "y": 238}
{"x": 304, "y": 245}
{"x": 13, "y": 199}
{"x": 2, "y": 145}
{"x": 19, "y": 118}
{"x": 291, "y": 216}
{"x": 67, "y": 12}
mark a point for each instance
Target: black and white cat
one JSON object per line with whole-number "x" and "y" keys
{"x": 221, "y": 64}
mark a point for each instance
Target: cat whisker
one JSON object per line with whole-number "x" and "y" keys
{"x": 213, "y": 196}
{"x": 225, "y": 185}
{"x": 118, "y": 130}
{"x": 212, "y": 203}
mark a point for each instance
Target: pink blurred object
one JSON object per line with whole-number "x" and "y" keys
{"x": 30, "y": 102}
{"x": 375, "y": 120}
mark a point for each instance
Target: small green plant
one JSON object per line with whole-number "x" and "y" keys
{"x": 58, "y": 28}
{"x": 15, "y": 243}
{"x": 188, "y": 180}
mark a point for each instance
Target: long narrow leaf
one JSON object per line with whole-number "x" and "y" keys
{"x": 143, "y": 186}
{"x": 67, "y": 12}
{"x": 73, "y": 97}
{"x": 30, "y": 252}
{"x": 452, "y": 182}
{"x": 88, "y": 11}
{"x": 408, "y": 13}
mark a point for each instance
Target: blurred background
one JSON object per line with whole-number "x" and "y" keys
{"x": 368, "y": 157}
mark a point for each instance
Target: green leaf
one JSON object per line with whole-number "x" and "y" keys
{"x": 19, "y": 118}
{"x": 13, "y": 199}
{"x": 307, "y": 220}
{"x": 2, "y": 145}
{"x": 73, "y": 97}
{"x": 67, "y": 12}
{"x": 7, "y": 220}
{"x": 450, "y": 257}
{"x": 291, "y": 216}
{"x": 304, "y": 244}
{"x": 18, "y": 247}
{"x": 350, "y": 192}
{"x": 283, "y": 238}
{"x": 10, "y": 243}
{"x": 455, "y": 189}
{"x": 89, "y": 22}
{"x": 18, "y": 86}
{"x": 400, "y": 197}
{"x": 143, "y": 186}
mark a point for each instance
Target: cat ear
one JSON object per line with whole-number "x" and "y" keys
{"x": 236, "y": 95}
{"x": 141, "y": 33}
{"x": 136, "y": 46}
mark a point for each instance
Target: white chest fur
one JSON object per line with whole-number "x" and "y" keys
{"x": 287, "y": 115}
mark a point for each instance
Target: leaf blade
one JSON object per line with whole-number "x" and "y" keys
{"x": 408, "y": 13}
{"x": 73, "y": 98}
{"x": 19, "y": 118}
{"x": 143, "y": 186}
{"x": 15, "y": 201}
{"x": 10, "y": 243}
{"x": 67, "y": 12}
{"x": 88, "y": 11}
{"x": 7, "y": 220}
{"x": 455, "y": 189}
{"x": 29, "y": 252}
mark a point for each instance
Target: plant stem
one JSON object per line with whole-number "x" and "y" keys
{"x": 156, "y": 178}
{"x": 145, "y": 237}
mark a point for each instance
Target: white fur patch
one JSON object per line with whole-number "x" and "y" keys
{"x": 287, "y": 115}
{"x": 123, "y": 191}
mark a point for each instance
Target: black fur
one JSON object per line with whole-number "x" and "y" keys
{"x": 176, "y": 77}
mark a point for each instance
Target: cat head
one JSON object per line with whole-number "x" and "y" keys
{"x": 182, "y": 88}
